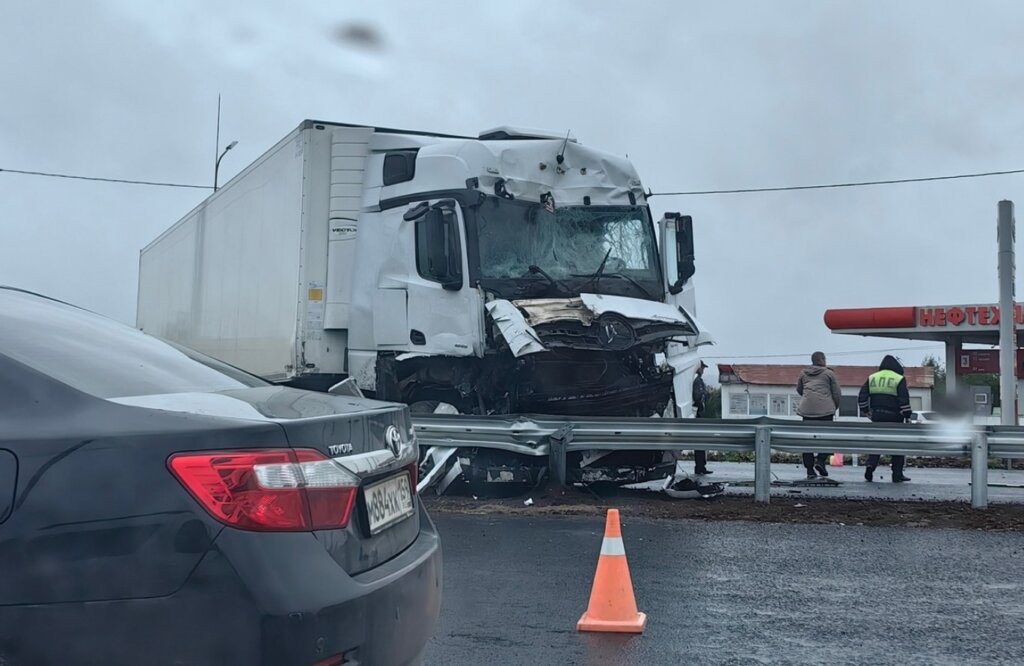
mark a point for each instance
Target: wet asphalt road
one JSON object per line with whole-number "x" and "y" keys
{"x": 731, "y": 593}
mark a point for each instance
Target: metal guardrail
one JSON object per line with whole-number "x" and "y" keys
{"x": 555, "y": 437}
{"x": 1006, "y": 442}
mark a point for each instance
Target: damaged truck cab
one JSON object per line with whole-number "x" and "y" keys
{"x": 512, "y": 272}
{"x": 518, "y": 273}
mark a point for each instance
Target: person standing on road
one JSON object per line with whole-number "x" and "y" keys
{"x": 700, "y": 399}
{"x": 886, "y": 399}
{"x": 819, "y": 399}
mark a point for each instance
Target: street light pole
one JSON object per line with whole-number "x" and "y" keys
{"x": 1007, "y": 323}
{"x": 216, "y": 166}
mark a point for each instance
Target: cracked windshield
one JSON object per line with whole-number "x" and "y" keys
{"x": 579, "y": 245}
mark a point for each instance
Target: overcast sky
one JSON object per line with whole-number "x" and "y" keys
{"x": 699, "y": 95}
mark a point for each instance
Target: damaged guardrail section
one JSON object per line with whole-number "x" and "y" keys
{"x": 555, "y": 437}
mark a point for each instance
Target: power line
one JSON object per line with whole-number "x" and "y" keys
{"x": 863, "y": 183}
{"x": 747, "y": 190}
{"x": 841, "y": 353}
{"x": 105, "y": 180}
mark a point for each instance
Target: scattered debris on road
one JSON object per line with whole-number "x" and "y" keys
{"x": 688, "y": 488}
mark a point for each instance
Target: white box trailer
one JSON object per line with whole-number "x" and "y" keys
{"x": 244, "y": 277}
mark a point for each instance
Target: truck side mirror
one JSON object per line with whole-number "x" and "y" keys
{"x": 438, "y": 249}
{"x": 678, "y": 230}
{"x": 684, "y": 249}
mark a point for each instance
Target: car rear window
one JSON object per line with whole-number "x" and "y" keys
{"x": 102, "y": 357}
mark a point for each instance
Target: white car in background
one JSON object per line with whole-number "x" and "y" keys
{"x": 925, "y": 417}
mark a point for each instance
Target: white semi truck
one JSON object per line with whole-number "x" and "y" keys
{"x": 512, "y": 272}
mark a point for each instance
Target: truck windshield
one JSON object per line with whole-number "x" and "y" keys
{"x": 597, "y": 249}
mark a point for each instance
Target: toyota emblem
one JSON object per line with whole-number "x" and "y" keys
{"x": 393, "y": 440}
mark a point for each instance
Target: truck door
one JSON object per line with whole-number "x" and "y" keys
{"x": 445, "y": 314}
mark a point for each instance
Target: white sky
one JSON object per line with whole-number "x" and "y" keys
{"x": 699, "y": 95}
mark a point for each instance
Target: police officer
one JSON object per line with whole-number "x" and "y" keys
{"x": 885, "y": 398}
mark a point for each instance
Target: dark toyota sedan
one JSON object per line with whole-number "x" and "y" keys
{"x": 159, "y": 507}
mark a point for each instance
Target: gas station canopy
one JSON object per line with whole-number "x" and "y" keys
{"x": 952, "y": 324}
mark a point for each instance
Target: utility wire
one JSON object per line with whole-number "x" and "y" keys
{"x": 106, "y": 180}
{"x": 747, "y": 190}
{"x": 842, "y": 353}
{"x": 863, "y": 183}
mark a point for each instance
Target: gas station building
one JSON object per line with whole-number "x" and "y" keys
{"x": 953, "y": 325}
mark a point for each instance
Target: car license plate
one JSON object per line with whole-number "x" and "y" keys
{"x": 388, "y": 502}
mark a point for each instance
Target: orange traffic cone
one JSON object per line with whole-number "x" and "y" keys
{"x": 612, "y": 604}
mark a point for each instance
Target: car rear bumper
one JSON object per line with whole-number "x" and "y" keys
{"x": 250, "y": 601}
{"x": 382, "y": 616}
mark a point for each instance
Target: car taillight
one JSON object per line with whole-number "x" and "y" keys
{"x": 269, "y": 489}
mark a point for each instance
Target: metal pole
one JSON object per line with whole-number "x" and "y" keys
{"x": 953, "y": 346}
{"x": 1007, "y": 338}
{"x": 763, "y": 465}
{"x": 557, "y": 445}
{"x": 979, "y": 470}
{"x": 216, "y": 150}
{"x": 216, "y": 167}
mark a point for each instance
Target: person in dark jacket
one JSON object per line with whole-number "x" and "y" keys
{"x": 886, "y": 399}
{"x": 700, "y": 400}
{"x": 819, "y": 399}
